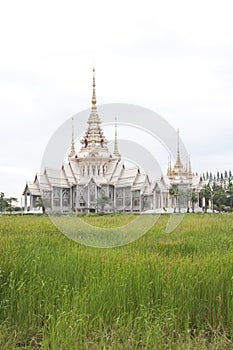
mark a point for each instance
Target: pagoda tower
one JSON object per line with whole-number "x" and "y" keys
{"x": 94, "y": 156}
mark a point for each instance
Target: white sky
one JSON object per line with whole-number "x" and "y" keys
{"x": 174, "y": 57}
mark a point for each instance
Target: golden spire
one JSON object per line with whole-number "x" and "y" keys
{"x": 178, "y": 143}
{"x": 189, "y": 166}
{"x": 116, "y": 152}
{"x": 72, "y": 148}
{"x": 93, "y": 101}
{"x": 169, "y": 168}
{"x": 178, "y": 163}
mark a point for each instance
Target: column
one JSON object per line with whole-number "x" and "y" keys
{"x": 61, "y": 199}
{"x": 25, "y": 202}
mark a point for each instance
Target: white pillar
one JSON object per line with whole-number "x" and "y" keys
{"x": 31, "y": 202}
{"x": 203, "y": 202}
{"x": 25, "y": 202}
{"x": 61, "y": 199}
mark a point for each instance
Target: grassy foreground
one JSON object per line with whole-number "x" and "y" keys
{"x": 164, "y": 291}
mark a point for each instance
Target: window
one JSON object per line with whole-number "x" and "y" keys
{"x": 92, "y": 192}
{"x": 82, "y": 202}
{"x": 65, "y": 197}
{"x": 56, "y": 197}
{"x": 127, "y": 197}
{"x": 46, "y": 198}
{"x": 136, "y": 198}
{"x": 119, "y": 197}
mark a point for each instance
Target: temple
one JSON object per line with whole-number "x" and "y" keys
{"x": 94, "y": 179}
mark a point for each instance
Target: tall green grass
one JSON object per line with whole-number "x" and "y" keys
{"x": 164, "y": 291}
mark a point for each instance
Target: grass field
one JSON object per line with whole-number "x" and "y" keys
{"x": 164, "y": 291}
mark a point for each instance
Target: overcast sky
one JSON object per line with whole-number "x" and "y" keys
{"x": 174, "y": 57}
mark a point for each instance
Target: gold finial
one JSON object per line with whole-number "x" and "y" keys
{"x": 169, "y": 168}
{"x": 93, "y": 101}
{"x": 178, "y": 163}
{"x": 178, "y": 141}
{"x": 72, "y": 148}
{"x": 116, "y": 152}
{"x": 189, "y": 166}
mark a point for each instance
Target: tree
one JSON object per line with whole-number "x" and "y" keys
{"x": 9, "y": 203}
{"x": 102, "y": 202}
{"x": 206, "y": 193}
{"x": 174, "y": 192}
{"x": 3, "y": 203}
{"x": 194, "y": 200}
{"x": 6, "y": 203}
{"x": 40, "y": 204}
{"x": 220, "y": 196}
{"x": 183, "y": 196}
{"x": 190, "y": 196}
{"x": 229, "y": 193}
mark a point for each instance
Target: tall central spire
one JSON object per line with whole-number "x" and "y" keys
{"x": 94, "y": 135}
{"x": 93, "y": 101}
{"x": 178, "y": 163}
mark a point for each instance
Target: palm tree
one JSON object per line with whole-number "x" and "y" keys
{"x": 206, "y": 193}
{"x": 174, "y": 192}
{"x": 181, "y": 196}
{"x": 194, "y": 200}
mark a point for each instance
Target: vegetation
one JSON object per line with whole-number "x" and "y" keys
{"x": 6, "y": 203}
{"x": 161, "y": 292}
{"x": 222, "y": 177}
{"x": 102, "y": 202}
{"x": 182, "y": 197}
{"x": 174, "y": 192}
{"x": 220, "y": 195}
{"x": 219, "y": 189}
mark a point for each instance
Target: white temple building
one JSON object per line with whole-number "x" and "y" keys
{"x": 95, "y": 179}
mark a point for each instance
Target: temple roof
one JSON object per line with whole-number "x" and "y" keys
{"x": 94, "y": 142}
{"x": 32, "y": 188}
